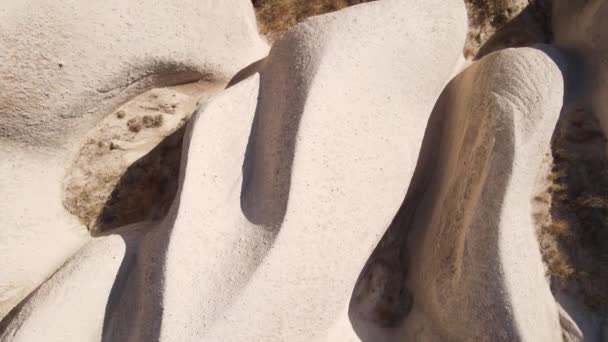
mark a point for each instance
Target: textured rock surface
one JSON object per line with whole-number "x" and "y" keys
{"x": 498, "y": 117}
{"x": 110, "y": 185}
{"x": 262, "y": 192}
{"x": 338, "y": 189}
{"x": 66, "y": 65}
{"x": 579, "y": 205}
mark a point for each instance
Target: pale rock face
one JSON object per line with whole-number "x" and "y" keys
{"x": 477, "y": 272}
{"x": 273, "y": 222}
{"x": 67, "y": 63}
{"x": 331, "y": 192}
{"x": 64, "y": 66}
{"x": 345, "y": 129}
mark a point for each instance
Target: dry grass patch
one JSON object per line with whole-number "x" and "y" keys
{"x": 559, "y": 229}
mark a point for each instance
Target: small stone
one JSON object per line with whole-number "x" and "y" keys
{"x": 134, "y": 124}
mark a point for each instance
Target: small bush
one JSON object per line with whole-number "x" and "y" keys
{"x": 150, "y": 121}
{"x": 559, "y": 229}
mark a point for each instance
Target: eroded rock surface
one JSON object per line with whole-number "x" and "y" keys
{"x": 339, "y": 189}
{"x": 110, "y": 185}
{"x": 64, "y": 67}
{"x": 476, "y": 208}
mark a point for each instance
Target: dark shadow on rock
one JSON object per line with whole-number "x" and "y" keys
{"x": 573, "y": 240}
{"x": 246, "y": 72}
{"x": 269, "y": 155}
{"x": 147, "y": 188}
{"x": 118, "y": 294}
{"x": 135, "y": 306}
{"x": 391, "y": 301}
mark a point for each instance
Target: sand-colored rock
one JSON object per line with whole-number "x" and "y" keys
{"x": 110, "y": 184}
{"x": 80, "y": 289}
{"x": 473, "y": 246}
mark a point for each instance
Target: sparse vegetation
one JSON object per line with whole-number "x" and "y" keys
{"x": 574, "y": 237}
{"x": 559, "y": 229}
{"x": 559, "y": 265}
{"x": 545, "y": 197}
{"x": 490, "y": 22}
{"x": 276, "y": 16}
{"x": 116, "y": 180}
{"x": 147, "y": 121}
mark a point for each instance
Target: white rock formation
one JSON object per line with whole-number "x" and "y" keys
{"x": 274, "y": 217}
{"x": 64, "y": 65}
{"x": 477, "y": 273}
{"x": 290, "y": 177}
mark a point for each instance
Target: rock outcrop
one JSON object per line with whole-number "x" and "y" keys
{"x": 65, "y": 66}
{"x": 361, "y": 181}
{"x": 473, "y": 246}
{"x": 277, "y": 178}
